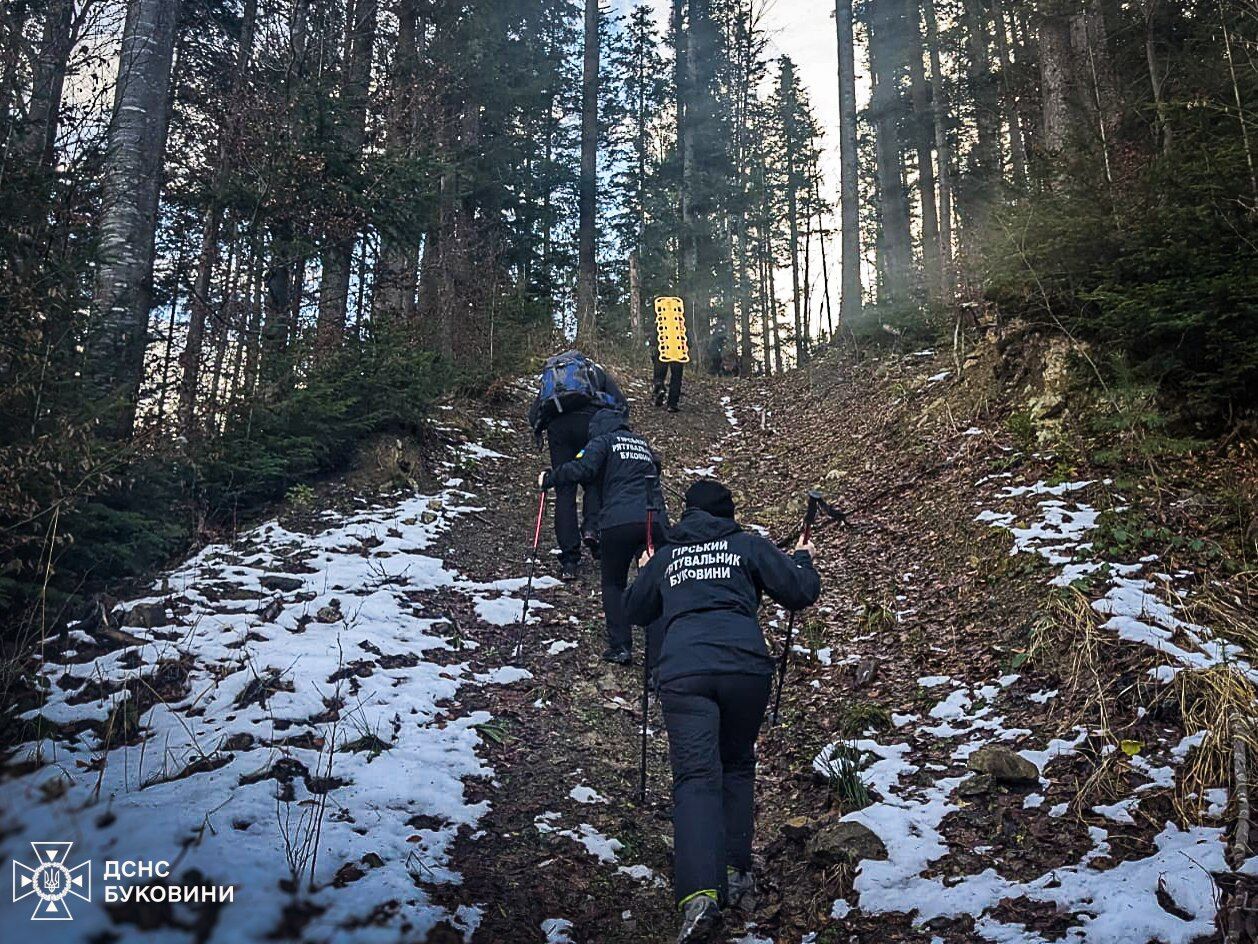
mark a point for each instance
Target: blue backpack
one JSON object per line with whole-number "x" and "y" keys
{"x": 569, "y": 382}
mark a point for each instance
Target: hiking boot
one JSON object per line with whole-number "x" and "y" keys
{"x": 659, "y": 398}
{"x": 741, "y": 889}
{"x": 569, "y": 572}
{"x": 618, "y": 656}
{"x": 590, "y": 540}
{"x": 699, "y": 918}
{"x": 673, "y": 408}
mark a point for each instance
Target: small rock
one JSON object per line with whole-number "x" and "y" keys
{"x": 798, "y": 828}
{"x": 609, "y": 683}
{"x": 242, "y": 741}
{"x": 1004, "y": 766}
{"x": 428, "y": 517}
{"x": 845, "y": 842}
{"x": 347, "y": 874}
{"x": 147, "y": 615}
{"x": 271, "y": 612}
{"x": 866, "y": 671}
{"x": 281, "y": 584}
{"x": 976, "y": 785}
{"x": 330, "y": 613}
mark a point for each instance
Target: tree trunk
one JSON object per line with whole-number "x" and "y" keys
{"x": 850, "y": 299}
{"x": 886, "y": 107}
{"x": 983, "y": 172}
{"x": 207, "y": 259}
{"x": 635, "y": 299}
{"x": 13, "y": 18}
{"x": 587, "y": 259}
{"x": 825, "y": 267}
{"x": 681, "y": 78}
{"x": 701, "y": 163}
{"x": 397, "y": 271}
{"x": 763, "y": 234}
{"x": 1090, "y": 41}
{"x": 746, "y": 355}
{"x": 1153, "y": 37}
{"x": 1240, "y": 106}
{"x": 341, "y": 235}
{"x": 132, "y": 184}
{"x": 39, "y": 132}
{"x": 791, "y": 135}
{"x": 1017, "y": 140}
{"x": 924, "y": 141}
{"x": 285, "y": 271}
{"x": 1056, "y": 71}
{"x": 943, "y": 149}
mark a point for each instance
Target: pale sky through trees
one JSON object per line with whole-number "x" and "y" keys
{"x": 804, "y": 30}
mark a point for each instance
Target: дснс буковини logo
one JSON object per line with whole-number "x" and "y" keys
{"x": 52, "y": 881}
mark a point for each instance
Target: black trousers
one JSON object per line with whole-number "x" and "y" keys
{"x": 567, "y": 434}
{"x": 620, "y": 547}
{"x": 712, "y": 723}
{"x": 673, "y": 372}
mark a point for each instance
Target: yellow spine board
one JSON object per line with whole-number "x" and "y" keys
{"x": 670, "y": 328}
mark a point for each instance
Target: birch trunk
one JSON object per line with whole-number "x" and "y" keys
{"x": 122, "y": 297}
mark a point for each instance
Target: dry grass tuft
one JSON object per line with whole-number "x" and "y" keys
{"x": 1068, "y": 642}
{"x": 1219, "y": 701}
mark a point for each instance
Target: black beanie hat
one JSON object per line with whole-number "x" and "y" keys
{"x": 711, "y": 496}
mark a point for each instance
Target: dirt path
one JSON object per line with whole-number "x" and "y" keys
{"x": 992, "y": 805}
{"x": 565, "y": 845}
{"x": 994, "y": 727}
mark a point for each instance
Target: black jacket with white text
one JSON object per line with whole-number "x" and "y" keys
{"x": 707, "y": 584}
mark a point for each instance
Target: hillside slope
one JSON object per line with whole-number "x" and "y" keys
{"x": 1007, "y": 719}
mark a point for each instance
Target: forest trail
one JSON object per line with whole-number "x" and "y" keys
{"x": 350, "y": 668}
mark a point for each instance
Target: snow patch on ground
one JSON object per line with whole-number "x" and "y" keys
{"x": 1136, "y": 605}
{"x": 584, "y": 794}
{"x": 557, "y": 930}
{"x": 1114, "y": 905}
{"x": 271, "y": 633}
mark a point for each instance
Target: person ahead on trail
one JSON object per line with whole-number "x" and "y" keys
{"x": 571, "y": 389}
{"x": 629, "y": 472}
{"x": 670, "y": 323}
{"x": 714, "y": 674}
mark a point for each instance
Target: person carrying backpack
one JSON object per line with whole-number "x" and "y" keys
{"x": 669, "y": 350}
{"x": 714, "y": 674}
{"x": 630, "y": 475}
{"x": 571, "y": 389}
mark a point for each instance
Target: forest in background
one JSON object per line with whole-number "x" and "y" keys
{"x": 239, "y": 236}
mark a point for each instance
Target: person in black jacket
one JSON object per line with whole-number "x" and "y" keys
{"x": 666, "y": 375}
{"x": 566, "y": 435}
{"x": 714, "y": 674}
{"x": 629, "y": 473}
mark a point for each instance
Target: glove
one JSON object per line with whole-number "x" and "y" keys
{"x": 544, "y": 480}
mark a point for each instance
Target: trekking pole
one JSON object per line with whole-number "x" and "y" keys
{"x": 814, "y": 502}
{"x": 528, "y": 588}
{"x": 646, "y": 651}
